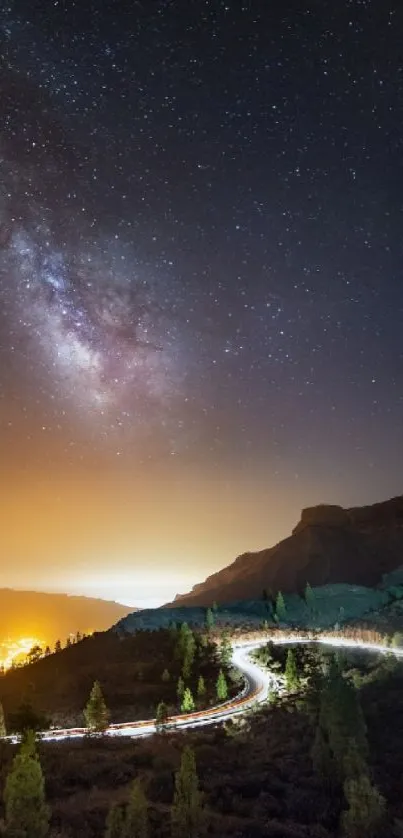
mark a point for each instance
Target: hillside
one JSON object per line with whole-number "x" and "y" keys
{"x": 129, "y": 669}
{"x": 329, "y": 545}
{"x": 48, "y": 617}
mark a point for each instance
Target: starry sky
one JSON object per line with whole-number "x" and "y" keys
{"x": 201, "y": 291}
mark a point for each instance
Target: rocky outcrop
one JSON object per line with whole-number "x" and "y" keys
{"x": 323, "y": 516}
{"x": 329, "y": 544}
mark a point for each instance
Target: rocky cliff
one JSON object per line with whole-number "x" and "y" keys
{"x": 329, "y": 544}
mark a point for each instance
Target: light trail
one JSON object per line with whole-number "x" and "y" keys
{"x": 257, "y": 687}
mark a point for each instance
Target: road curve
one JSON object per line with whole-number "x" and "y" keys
{"x": 257, "y": 686}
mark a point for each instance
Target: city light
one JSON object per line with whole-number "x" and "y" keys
{"x": 14, "y": 651}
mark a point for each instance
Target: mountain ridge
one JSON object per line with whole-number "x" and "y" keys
{"x": 329, "y": 544}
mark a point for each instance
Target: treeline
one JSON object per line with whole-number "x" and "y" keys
{"x": 197, "y": 675}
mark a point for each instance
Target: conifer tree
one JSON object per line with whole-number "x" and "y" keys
{"x": 3, "y": 729}
{"x": 58, "y": 646}
{"x": 165, "y": 676}
{"x": 180, "y": 689}
{"x": 280, "y": 610}
{"x": 188, "y": 655}
{"x": 187, "y": 811}
{"x": 188, "y": 704}
{"x": 225, "y": 650}
{"x": 291, "y": 671}
{"x": 161, "y": 716}
{"x": 26, "y": 812}
{"x": 222, "y": 689}
{"x": 201, "y": 688}
{"x": 366, "y": 808}
{"x": 136, "y": 820}
{"x": 182, "y": 639}
{"x": 47, "y": 651}
{"x": 209, "y": 620}
{"x": 115, "y": 823}
{"x": 96, "y": 713}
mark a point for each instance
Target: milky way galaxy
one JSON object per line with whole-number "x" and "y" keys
{"x": 98, "y": 324}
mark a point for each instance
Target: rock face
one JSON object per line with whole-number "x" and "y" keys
{"x": 329, "y": 544}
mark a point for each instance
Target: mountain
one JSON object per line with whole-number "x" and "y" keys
{"x": 329, "y": 545}
{"x": 48, "y": 617}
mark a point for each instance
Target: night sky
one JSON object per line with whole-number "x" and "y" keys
{"x": 201, "y": 292}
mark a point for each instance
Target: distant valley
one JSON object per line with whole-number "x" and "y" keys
{"x": 28, "y": 617}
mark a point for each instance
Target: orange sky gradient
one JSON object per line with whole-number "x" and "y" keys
{"x": 141, "y": 538}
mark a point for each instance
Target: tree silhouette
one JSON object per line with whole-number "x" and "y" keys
{"x": 188, "y": 704}
{"x": 201, "y": 687}
{"x": 162, "y": 716}
{"x": 222, "y": 689}
{"x": 136, "y": 820}
{"x": 280, "y": 611}
{"x": 27, "y": 815}
{"x": 291, "y": 671}
{"x": 96, "y": 713}
{"x": 187, "y": 811}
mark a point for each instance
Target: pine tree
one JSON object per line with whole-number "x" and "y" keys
{"x": 58, "y": 646}
{"x": 209, "y": 620}
{"x": 3, "y": 729}
{"x": 26, "y": 812}
{"x": 136, "y": 821}
{"x": 96, "y": 713}
{"x": 187, "y": 811}
{"x": 115, "y": 823}
{"x": 162, "y": 716}
{"x": 225, "y": 650}
{"x": 180, "y": 689}
{"x": 291, "y": 671}
{"x": 188, "y": 704}
{"x": 47, "y": 651}
{"x": 182, "y": 640}
{"x": 222, "y": 689}
{"x": 280, "y": 611}
{"x": 201, "y": 688}
{"x": 165, "y": 677}
{"x": 188, "y": 655}
{"x": 366, "y": 808}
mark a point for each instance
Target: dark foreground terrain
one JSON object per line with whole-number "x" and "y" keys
{"x": 257, "y": 777}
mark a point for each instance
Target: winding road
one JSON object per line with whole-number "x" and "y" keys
{"x": 257, "y": 685}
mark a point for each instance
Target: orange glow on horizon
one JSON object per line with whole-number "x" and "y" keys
{"x": 15, "y": 652}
